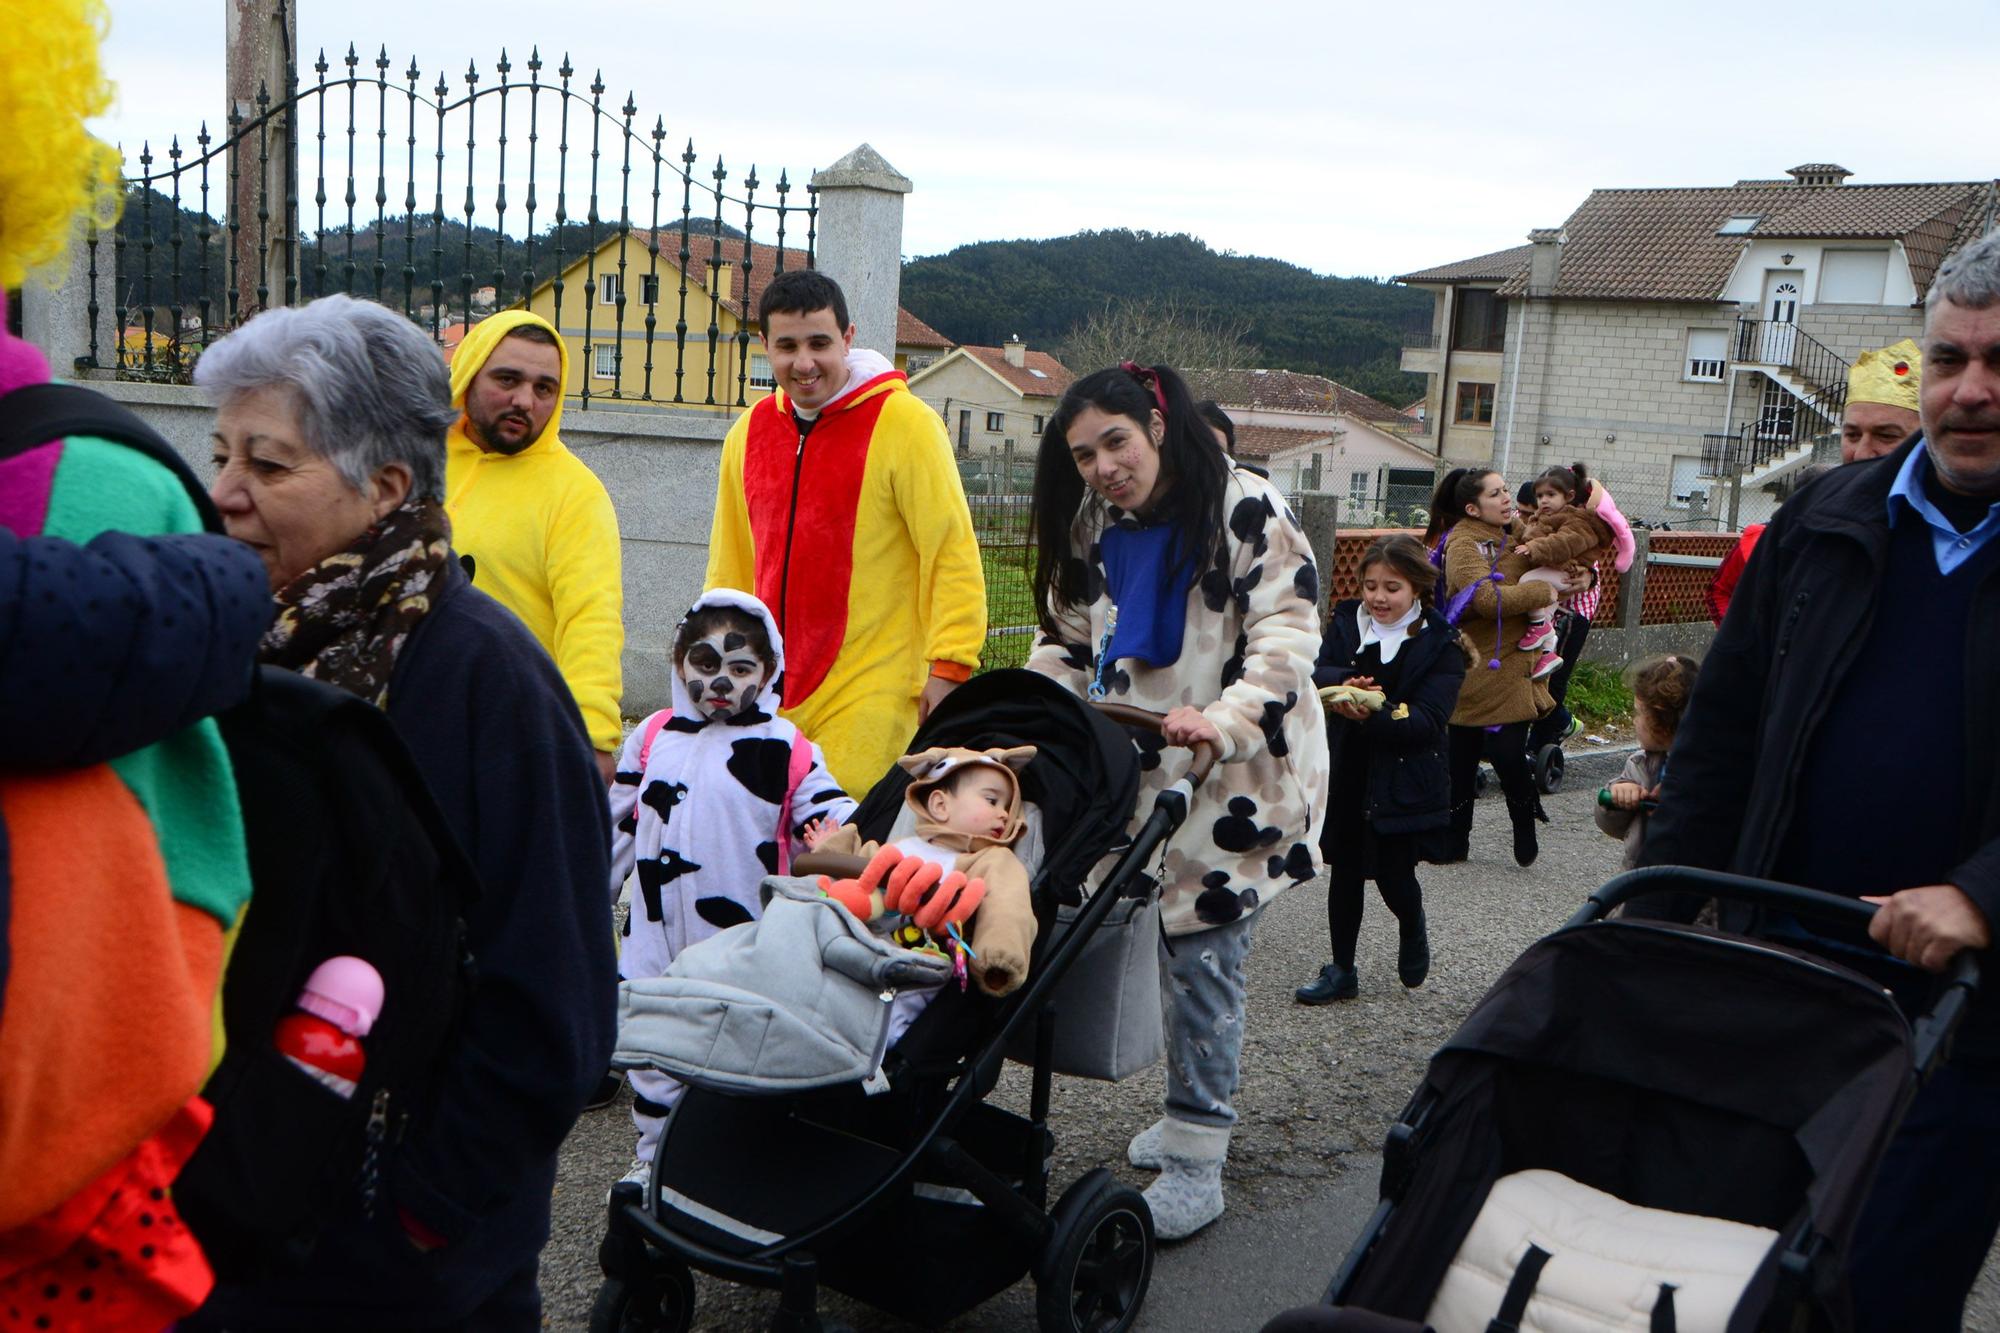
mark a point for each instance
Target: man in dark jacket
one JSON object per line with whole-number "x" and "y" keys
{"x": 1846, "y": 735}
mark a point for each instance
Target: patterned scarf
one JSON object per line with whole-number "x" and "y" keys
{"x": 344, "y": 620}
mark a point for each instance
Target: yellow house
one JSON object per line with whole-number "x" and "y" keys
{"x": 638, "y": 332}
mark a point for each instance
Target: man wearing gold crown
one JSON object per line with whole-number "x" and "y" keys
{"x": 1882, "y": 393}
{"x": 1843, "y": 735}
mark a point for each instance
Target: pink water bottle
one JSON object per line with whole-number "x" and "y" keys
{"x": 337, "y": 1008}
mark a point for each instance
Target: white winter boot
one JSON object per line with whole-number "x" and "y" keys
{"x": 1188, "y": 1194}
{"x": 1144, "y": 1149}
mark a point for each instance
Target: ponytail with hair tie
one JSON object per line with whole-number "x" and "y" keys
{"x": 1147, "y": 376}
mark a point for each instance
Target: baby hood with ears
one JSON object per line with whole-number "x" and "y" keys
{"x": 928, "y": 768}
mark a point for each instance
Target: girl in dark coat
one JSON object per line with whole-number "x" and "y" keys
{"x": 1390, "y": 787}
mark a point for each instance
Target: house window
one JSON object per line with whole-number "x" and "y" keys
{"x": 1707, "y": 353}
{"x": 1475, "y": 404}
{"x": 1038, "y": 424}
{"x": 1741, "y": 225}
{"x": 604, "y": 361}
{"x": 1690, "y": 490}
{"x": 996, "y": 422}
{"x": 649, "y": 289}
{"x": 1853, "y": 277}
{"x": 1479, "y": 321}
{"x": 918, "y": 363}
{"x": 607, "y": 289}
{"x": 1358, "y": 488}
{"x": 760, "y": 372}
{"x": 964, "y": 432}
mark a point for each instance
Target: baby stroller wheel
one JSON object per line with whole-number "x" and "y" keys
{"x": 1092, "y": 1278}
{"x": 1549, "y": 761}
{"x": 660, "y": 1302}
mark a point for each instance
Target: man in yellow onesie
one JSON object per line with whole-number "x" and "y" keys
{"x": 533, "y": 521}
{"x": 839, "y": 505}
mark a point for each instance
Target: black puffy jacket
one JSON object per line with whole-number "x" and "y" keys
{"x": 1409, "y": 787}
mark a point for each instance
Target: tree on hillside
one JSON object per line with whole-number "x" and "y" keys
{"x": 1156, "y": 331}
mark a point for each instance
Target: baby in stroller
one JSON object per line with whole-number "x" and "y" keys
{"x": 958, "y": 861}
{"x": 818, "y": 990}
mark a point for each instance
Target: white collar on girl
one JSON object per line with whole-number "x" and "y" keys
{"x": 1389, "y": 636}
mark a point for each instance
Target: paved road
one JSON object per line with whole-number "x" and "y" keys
{"x": 1320, "y": 1088}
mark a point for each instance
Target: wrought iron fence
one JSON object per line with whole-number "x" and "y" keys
{"x": 184, "y": 275}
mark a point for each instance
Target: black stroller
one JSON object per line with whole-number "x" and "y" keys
{"x": 1620, "y": 1054}
{"x": 830, "y": 1186}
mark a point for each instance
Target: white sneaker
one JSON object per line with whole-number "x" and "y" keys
{"x": 640, "y": 1173}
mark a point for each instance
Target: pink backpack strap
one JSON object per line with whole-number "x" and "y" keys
{"x": 652, "y": 727}
{"x": 795, "y": 777}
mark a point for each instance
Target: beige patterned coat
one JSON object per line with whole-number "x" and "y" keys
{"x": 1246, "y": 661}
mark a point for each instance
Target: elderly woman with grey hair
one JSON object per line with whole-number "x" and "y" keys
{"x": 329, "y": 445}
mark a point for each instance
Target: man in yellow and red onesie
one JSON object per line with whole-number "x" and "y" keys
{"x": 533, "y": 519}
{"x": 839, "y": 505}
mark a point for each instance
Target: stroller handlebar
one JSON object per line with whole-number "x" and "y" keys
{"x": 1933, "y": 1029}
{"x": 1205, "y": 753}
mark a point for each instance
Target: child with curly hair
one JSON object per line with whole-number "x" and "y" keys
{"x": 1661, "y": 688}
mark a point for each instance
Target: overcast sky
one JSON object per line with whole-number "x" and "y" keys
{"x": 1353, "y": 139}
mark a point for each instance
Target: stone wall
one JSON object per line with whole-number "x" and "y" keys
{"x": 660, "y": 468}
{"x": 1592, "y": 370}
{"x": 1850, "y": 330}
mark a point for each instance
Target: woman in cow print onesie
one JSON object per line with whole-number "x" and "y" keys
{"x": 1170, "y": 579}
{"x": 696, "y": 805}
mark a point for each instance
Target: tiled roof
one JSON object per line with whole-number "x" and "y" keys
{"x": 1264, "y": 441}
{"x": 1288, "y": 391}
{"x": 1661, "y": 245}
{"x": 913, "y": 332}
{"x": 1498, "y": 266}
{"x": 1041, "y": 377}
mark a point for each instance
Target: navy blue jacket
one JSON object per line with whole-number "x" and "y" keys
{"x": 498, "y": 737}
{"x": 1409, "y": 787}
{"x": 108, "y": 648}
{"x": 1797, "y": 623}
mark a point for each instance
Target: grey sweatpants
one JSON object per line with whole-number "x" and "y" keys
{"x": 1201, "y": 984}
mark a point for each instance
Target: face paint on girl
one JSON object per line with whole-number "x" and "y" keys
{"x": 723, "y": 674}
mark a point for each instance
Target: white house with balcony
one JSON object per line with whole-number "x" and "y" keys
{"x": 1317, "y": 435}
{"x": 1684, "y": 341}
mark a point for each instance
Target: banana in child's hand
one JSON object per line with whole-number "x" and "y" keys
{"x": 1372, "y": 700}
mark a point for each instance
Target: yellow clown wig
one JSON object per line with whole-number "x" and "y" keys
{"x": 52, "y": 170}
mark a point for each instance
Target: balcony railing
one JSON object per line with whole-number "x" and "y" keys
{"x": 1752, "y": 448}
{"x": 1773, "y": 342}
{"x": 1420, "y": 342}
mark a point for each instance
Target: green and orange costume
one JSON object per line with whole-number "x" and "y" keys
{"x": 853, "y": 529}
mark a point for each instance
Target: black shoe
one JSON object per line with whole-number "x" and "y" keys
{"x": 1526, "y": 849}
{"x": 1334, "y": 982}
{"x": 1413, "y": 953}
{"x": 606, "y": 1091}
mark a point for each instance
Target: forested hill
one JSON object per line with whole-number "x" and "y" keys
{"x": 1350, "y": 329}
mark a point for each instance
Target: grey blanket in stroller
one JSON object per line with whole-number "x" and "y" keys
{"x": 801, "y": 998}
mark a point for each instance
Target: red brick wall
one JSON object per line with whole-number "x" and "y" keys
{"x": 1675, "y": 594}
